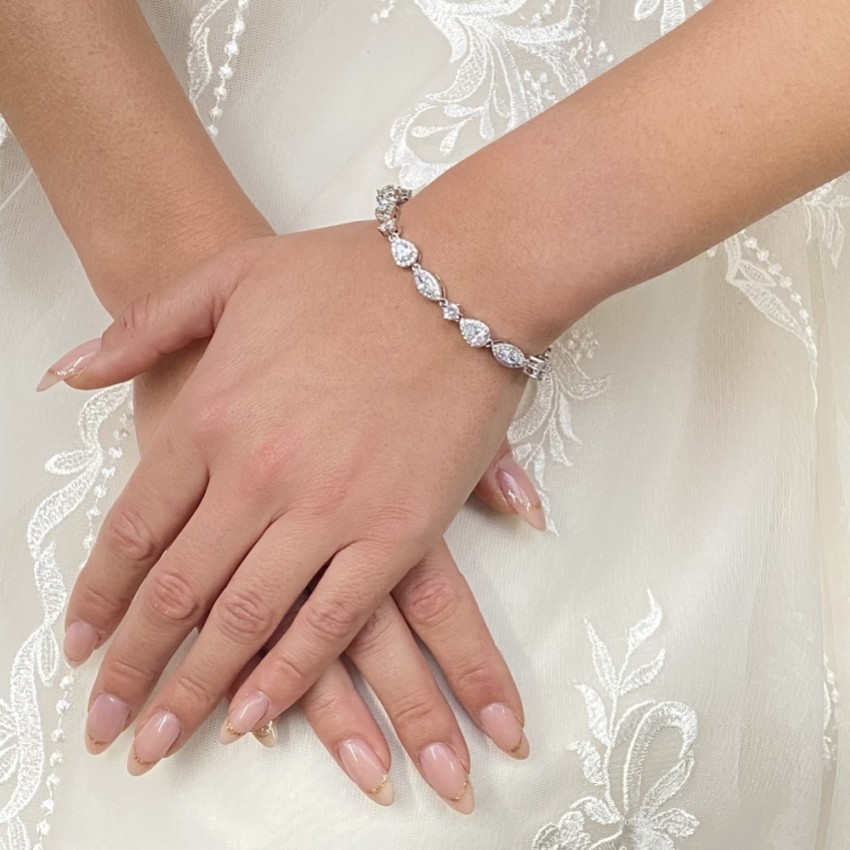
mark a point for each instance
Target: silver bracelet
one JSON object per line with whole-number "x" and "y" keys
{"x": 475, "y": 332}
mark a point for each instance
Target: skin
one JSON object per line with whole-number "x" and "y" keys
{"x": 739, "y": 151}
{"x": 143, "y": 208}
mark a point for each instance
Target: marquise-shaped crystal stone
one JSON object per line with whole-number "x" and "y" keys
{"x": 405, "y": 253}
{"x": 451, "y": 311}
{"x": 476, "y": 333}
{"x": 428, "y": 284}
{"x": 508, "y": 355}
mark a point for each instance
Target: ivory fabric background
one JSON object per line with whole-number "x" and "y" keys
{"x": 680, "y": 639}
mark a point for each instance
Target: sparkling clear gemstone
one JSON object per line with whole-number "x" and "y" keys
{"x": 476, "y": 333}
{"x": 428, "y": 284}
{"x": 451, "y": 311}
{"x": 384, "y": 211}
{"x": 405, "y": 253}
{"x": 508, "y": 355}
{"x": 387, "y": 227}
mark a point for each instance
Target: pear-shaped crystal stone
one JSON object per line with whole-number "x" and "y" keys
{"x": 508, "y": 355}
{"x": 476, "y": 333}
{"x": 428, "y": 284}
{"x": 405, "y": 253}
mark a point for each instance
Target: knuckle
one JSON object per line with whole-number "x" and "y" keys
{"x": 430, "y": 601}
{"x": 137, "y": 313}
{"x": 244, "y": 617}
{"x": 401, "y": 522}
{"x": 414, "y": 711}
{"x": 289, "y": 672}
{"x": 127, "y": 536}
{"x": 171, "y": 595}
{"x": 98, "y": 607}
{"x": 331, "y": 621}
{"x": 476, "y": 676}
{"x": 128, "y": 675}
{"x": 209, "y": 418}
{"x": 374, "y": 632}
{"x": 326, "y": 703}
{"x": 191, "y": 690}
{"x": 269, "y": 461}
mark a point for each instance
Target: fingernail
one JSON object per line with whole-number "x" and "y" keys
{"x": 446, "y": 775}
{"x": 244, "y": 716}
{"x": 70, "y": 364}
{"x": 504, "y": 729}
{"x": 80, "y": 641}
{"x": 106, "y": 720}
{"x": 519, "y": 492}
{"x": 153, "y": 741}
{"x": 364, "y": 768}
{"x": 267, "y": 735}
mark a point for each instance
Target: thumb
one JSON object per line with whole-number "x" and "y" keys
{"x": 506, "y": 488}
{"x": 153, "y": 325}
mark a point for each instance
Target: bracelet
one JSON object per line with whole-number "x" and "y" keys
{"x": 475, "y": 332}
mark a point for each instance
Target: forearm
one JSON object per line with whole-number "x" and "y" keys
{"x": 734, "y": 114}
{"x": 133, "y": 177}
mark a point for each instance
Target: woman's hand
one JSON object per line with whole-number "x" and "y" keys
{"x": 300, "y": 510}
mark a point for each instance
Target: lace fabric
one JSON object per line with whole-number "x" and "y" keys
{"x": 682, "y": 643}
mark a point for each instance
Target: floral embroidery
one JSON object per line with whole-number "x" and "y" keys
{"x": 823, "y": 221}
{"x": 629, "y": 811}
{"x": 749, "y": 269}
{"x": 198, "y": 61}
{"x": 37, "y": 663}
{"x": 511, "y": 63}
{"x": 673, "y": 12}
{"x": 544, "y": 430}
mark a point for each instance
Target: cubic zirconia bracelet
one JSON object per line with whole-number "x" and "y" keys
{"x": 475, "y": 332}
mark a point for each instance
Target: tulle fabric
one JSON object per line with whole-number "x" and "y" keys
{"x": 680, "y": 637}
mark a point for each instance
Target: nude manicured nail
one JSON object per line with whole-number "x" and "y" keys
{"x": 244, "y": 716}
{"x": 267, "y": 734}
{"x": 106, "y": 720}
{"x": 80, "y": 641}
{"x": 69, "y": 364}
{"x": 444, "y": 772}
{"x": 153, "y": 741}
{"x": 519, "y": 492}
{"x": 364, "y": 767}
{"x": 504, "y": 729}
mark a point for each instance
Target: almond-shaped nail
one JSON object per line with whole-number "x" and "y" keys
{"x": 504, "y": 729}
{"x": 364, "y": 768}
{"x": 267, "y": 734}
{"x": 70, "y": 364}
{"x": 519, "y": 492}
{"x": 153, "y": 741}
{"x": 444, "y": 772}
{"x": 80, "y": 641}
{"x": 106, "y": 720}
{"x": 244, "y": 716}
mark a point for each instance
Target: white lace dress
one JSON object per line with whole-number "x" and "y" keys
{"x": 680, "y": 636}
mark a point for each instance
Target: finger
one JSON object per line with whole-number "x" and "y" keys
{"x": 439, "y": 606}
{"x": 157, "y": 501}
{"x": 266, "y": 735}
{"x": 506, "y": 488}
{"x": 387, "y": 655}
{"x": 347, "y": 728}
{"x": 353, "y": 585}
{"x": 170, "y": 603}
{"x": 154, "y": 325}
{"x": 243, "y": 617}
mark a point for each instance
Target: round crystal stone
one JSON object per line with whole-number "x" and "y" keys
{"x": 475, "y": 332}
{"x": 451, "y": 311}
{"x": 428, "y": 284}
{"x": 508, "y": 355}
{"x": 405, "y": 253}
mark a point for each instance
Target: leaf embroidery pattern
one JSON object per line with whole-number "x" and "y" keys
{"x": 750, "y": 269}
{"x": 513, "y": 59}
{"x": 544, "y": 429}
{"x": 199, "y": 64}
{"x": 624, "y": 810}
{"x": 823, "y": 219}
{"x": 673, "y": 12}
{"x": 24, "y": 752}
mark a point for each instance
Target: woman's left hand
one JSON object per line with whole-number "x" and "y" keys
{"x": 331, "y": 421}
